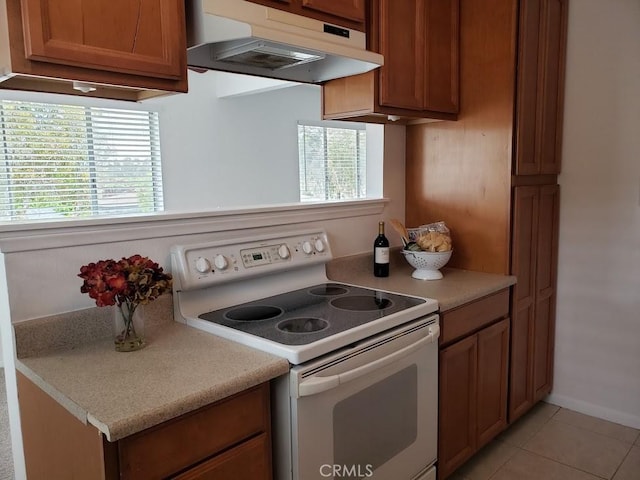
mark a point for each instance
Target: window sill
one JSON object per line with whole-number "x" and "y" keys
{"x": 46, "y": 234}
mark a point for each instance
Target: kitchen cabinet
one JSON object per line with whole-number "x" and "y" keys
{"x": 230, "y": 439}
{"x": 346, "y": 13}
{"x": 492, "y": 175}
{"x": 419, "y": 78}
{"x": 535, "y": 237}
{"x": 473, "y": 379}
{"x": 540, "y": 92}
{"x": 121, "y": 49}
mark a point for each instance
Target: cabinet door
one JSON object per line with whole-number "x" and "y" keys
{"x": 553, "y": 29}
{"x": 534, "y": 261}
{"x": 349, "y": 9}
{"x": 142, "y": 37}
{"x": 545, "y": 290}
{"x": 493, "y": 355}
{"x": 419, "y": 41}
{"x": 458, "y": 390}
{"x": 540, "y": 86}
{"x": 401, "y": 37}
{"x": 523, "y": 265}
{"x": 442, "y": 55}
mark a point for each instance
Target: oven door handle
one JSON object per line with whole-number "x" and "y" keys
{"x": 315, "y": 385}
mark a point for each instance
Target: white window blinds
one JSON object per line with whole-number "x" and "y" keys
{"x": 332, "y": 163}
{"x": 60, "y": 161}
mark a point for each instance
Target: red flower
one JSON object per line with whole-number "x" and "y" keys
{"x": 132, "y": 281}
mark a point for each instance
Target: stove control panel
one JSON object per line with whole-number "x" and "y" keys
{"x": 204, "y": 264}
{"x": 256, "y": 257}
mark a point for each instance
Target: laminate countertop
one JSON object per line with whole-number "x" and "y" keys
{"x": 456, "y": 288}
{"x": 181, "y": 369}
{"x": 72, "y": 358}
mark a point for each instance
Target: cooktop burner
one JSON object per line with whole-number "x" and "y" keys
{"x": 309, "y": 314}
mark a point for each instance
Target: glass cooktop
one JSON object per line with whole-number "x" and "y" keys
{"x": 309, "y": 314}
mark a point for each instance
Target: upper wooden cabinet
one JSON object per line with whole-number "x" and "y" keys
{"x": 540, "y": 86}
{"x": 347, "y": 13}
{"x": 125, "y": 49}
{"x": 349, "y": 9}
{"x": 419, "y": 79}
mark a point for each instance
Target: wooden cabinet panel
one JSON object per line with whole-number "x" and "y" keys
{"x": 493, "y": 355}
{"x": 350, "y": 9}
{"x": 137, "y": 37}
{"x": 534, "y": 261}
{"x": 442, "y": 63}
{"x": 56, "y": 444}
{"x": 129, "y": 53}
{"x": 419, "y": 79}
{"x": 473, "y": 392}
{"x": 527, "y": 85}
{"x": 546, "y": 281}
{"x": 521, "y": 351}
{"x": 467, "y": 319}
{"x": 160, "y": 451}
{"x": 249, "y": 461}
{"x": 402, "y": 34}
{"x": 540, "y": 86}
{"x": 553, "y": 28}
{"x": 230, "y": 439}
{"x": 347, "y": 13}
{"x": 458, "y": 391}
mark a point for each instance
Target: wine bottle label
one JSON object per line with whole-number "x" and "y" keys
{"x": 382, "y": 255}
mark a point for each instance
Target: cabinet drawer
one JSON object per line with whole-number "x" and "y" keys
{"x": 174, "y": 445}
{"x": 462, "y": 321}
{"x": 249, "y": 461}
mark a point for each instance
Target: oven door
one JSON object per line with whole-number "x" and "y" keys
{"x": 369, "y": 411}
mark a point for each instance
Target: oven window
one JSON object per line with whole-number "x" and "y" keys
{"x": 377, "y": 423}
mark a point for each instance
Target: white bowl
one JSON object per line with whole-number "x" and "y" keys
{"x": 427, "y": 264}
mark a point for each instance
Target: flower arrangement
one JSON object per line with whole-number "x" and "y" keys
{"x": 127, "y": 283}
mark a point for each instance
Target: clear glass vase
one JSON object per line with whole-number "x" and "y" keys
{"x": 129, "y": 327}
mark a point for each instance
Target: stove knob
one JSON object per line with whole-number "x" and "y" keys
{"x": 319, "y": 244}
{"x": 221, "y": 262}
{"x": 307, "y": 247}
{"x": 203, "y": 265}
{"x": 283, "y": 251}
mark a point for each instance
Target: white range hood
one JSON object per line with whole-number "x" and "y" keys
{"x": 244, "y": 37}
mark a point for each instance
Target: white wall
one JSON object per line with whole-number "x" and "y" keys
{"x": 597, "y": 366}
{"x": 233, "y": 151}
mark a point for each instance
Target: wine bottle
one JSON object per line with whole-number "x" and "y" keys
{"x": 381, "y": 253}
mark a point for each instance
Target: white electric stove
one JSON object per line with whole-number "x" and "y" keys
{"x": 361, "y": 396}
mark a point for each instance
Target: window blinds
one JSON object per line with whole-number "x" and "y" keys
{"x": 60, "y": 161}
{"x": 332, "y": 163}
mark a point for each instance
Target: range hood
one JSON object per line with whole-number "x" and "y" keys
{"x": 244, "y": 37}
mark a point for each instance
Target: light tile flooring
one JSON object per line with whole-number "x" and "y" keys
{"x": 552, "y": 443}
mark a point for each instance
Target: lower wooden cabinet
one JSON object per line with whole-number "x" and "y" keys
{"x": 248, "y": 461}
{"x": 534, "y": 261}
{"x": 228, "y": 440}
{"x": 473, "y": 381}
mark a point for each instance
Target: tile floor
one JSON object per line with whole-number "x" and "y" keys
{"x": 552, "y": 443}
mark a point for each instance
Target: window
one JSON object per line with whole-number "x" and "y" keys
{"x": 60, "y": 161}
{"x": 332, "y": 163}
